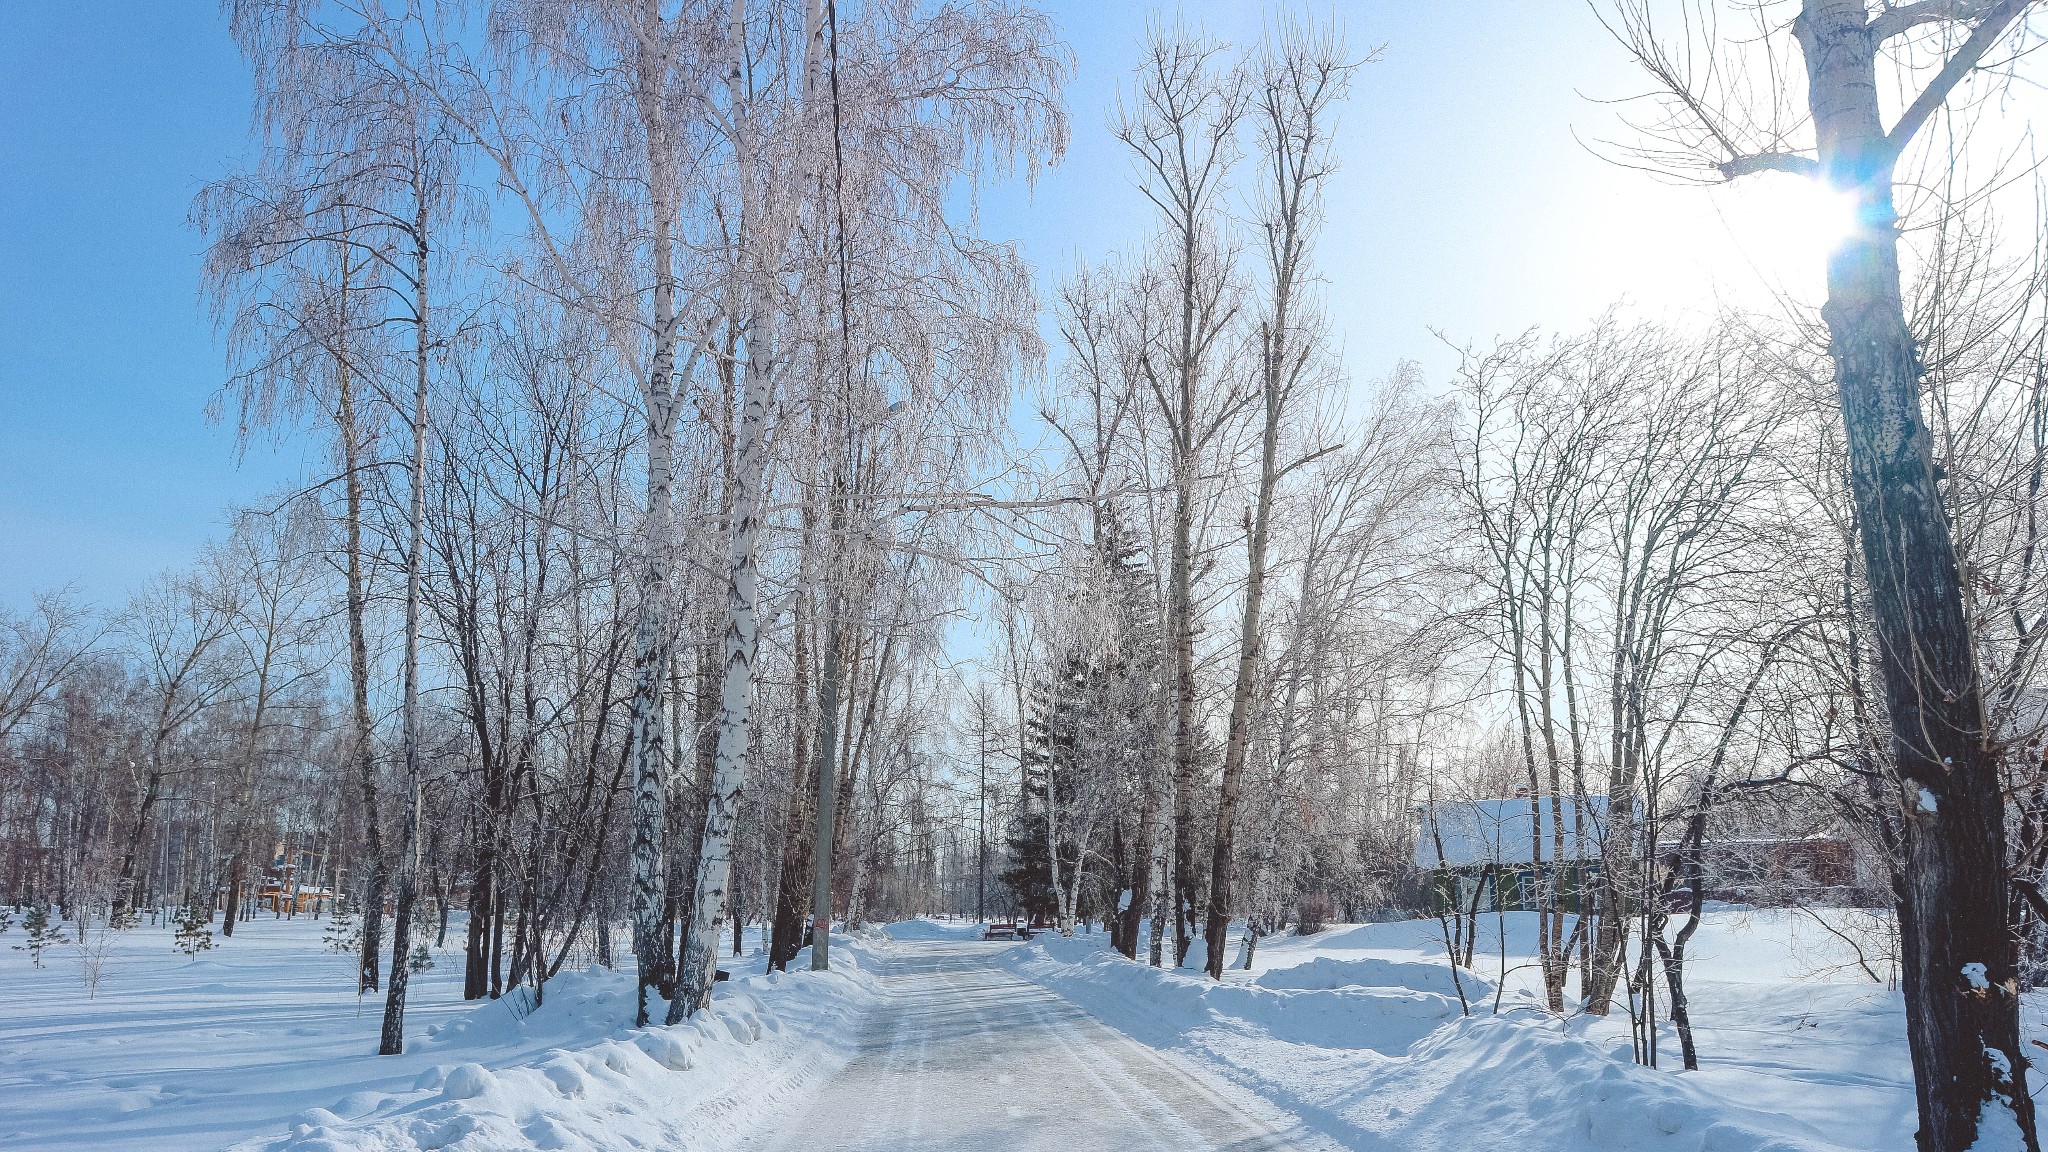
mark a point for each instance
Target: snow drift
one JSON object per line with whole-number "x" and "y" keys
{"x": 764, "y": 1040}
{"x": 1376, "y": 1054}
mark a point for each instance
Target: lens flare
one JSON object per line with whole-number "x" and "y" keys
{"x": 1787, "y": 226}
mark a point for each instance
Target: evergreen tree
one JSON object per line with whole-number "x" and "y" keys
{"x": 195, "y": 928}
{"x": 42, "y": 935}
{"x": 1029, "y": 875}
{"x": 1061, "y": 747}
{"x": 343, "y": 934}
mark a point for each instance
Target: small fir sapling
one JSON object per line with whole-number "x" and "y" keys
{"x": 343, "y": 934}
{"x": 195, "y": 929}
{"x": 42, "y": 935}
{"x": 424, "y": 914}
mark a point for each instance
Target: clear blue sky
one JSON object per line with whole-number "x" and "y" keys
{"x": 1464, "y": 204}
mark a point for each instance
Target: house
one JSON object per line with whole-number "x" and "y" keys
{"x": 281, "y": 893}
{"x": 1502, "y": 854}
{"x": 1488, "y": 855}
{"x": 1829, "y": 868}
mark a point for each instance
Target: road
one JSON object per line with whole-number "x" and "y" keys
{"x": 962, "y": 1055}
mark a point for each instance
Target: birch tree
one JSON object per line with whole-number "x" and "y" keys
{"x": 938, "y": 93}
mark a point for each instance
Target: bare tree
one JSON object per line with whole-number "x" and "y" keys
{"x": 1299, "y": 79}
{"x": 1960, "y": 971}
{"x": 1180, "y": 127}
{"x": 175, "y": 628}
{"x": 37, "y": 652}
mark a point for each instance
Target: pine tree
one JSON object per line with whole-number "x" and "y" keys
{"x": 42, "y": 935}
{"x": 195, "y": 929}
{"x": 422, "y": 958}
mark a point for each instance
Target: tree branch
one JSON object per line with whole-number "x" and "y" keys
{"x": 1768, "y": 162}
{"x": 1897, "y": 21}
{"x": 1997, "y": 18}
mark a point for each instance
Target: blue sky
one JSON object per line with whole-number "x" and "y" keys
{"x": 111, "y": 116}
{"x": 1464, "y": 204}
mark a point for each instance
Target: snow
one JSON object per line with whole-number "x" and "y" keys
{"x": 1977, "y": 976}
{"x": 962, "y": 1055}
{"x": 925, "y": 1036}
{"x": 924, "y": 930}
{"x": 1324, "y": 972}
{"x": 1357, "y": 1031}
{"x": 1998, "y": 1130}
{"x": 261, "y": 1045}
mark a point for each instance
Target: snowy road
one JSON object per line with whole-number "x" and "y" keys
{"x": 964, "y": 1055}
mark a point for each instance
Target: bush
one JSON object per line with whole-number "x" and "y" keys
{"x": 1312, "y": 914}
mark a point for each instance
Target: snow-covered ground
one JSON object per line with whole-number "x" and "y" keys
{"x": 262, "y": 1044}
{"x": 1358, "y": 1030}
{"x": 920, "y": 1038}
{"x": 961, "y": 1055}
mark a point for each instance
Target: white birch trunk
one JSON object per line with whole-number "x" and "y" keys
{"x": 651, "y": 941}
{"x": 761, "y": 249}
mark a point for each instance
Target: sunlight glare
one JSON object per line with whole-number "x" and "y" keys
{"x": 1786, "y": 226}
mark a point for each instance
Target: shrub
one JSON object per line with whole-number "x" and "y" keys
{"x": 1312, "y": 914}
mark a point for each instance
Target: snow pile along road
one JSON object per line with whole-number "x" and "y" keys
{"x": 261, "y": 1044}
{"x": 1376, "y": 1054}
{"x": 765, "y": 1041}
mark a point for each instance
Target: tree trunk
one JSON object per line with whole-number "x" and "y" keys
{"x": 651, "y": 940}
{"x": 1181, "y": 630}
{"x": 363, "y": 753}
{"x": 391, "y": 1041}
{"x": 787, "y": 935}
{"x": 124, "y": 886}
{"x": 1221, "y": 860}
{"x": 1960, "y": 977}
{"x": 759, "y": 255}
{"x": 736, "y": 687}
{"x": 824, "y": 759}
{"x": 476, "y": 972}
{"x": 235, "y": 867}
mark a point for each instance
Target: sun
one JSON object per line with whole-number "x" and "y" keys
{"x": 1785, "y": 227}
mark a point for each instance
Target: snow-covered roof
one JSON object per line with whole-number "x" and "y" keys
{"x": 1479, "y": 832}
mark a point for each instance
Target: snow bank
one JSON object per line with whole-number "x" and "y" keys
{"x": 1323, "y": 972}
{"x": 1375, "y": 1053}
{"x": 1178, "y": 1003}
{"x": 263, "y": 1040}
{"x": 927, "y": 929}
{"x": 764, "y": 1040}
